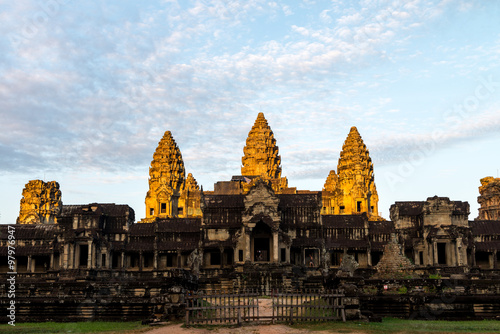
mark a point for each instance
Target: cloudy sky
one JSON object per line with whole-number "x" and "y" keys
{"x": 87, "y": 90}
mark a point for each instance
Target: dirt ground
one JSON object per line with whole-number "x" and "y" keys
{"x": 264, "y": 329}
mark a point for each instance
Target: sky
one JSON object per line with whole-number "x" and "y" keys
{"x": 87, "y": 89}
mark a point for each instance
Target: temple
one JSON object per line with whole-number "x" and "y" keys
{"x": 251, "y": 231}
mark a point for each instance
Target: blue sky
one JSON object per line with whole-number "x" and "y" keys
{"x": 87, "y": 90}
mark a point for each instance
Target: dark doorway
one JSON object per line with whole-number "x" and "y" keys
{"x": 441, "y": 249}
{"x": 84, "y": 256}
{"x": 116, "y": 260}
{"x": 376, "y": 256}
{"x": 261, "y": 242}
{"x": 261, "y": 248}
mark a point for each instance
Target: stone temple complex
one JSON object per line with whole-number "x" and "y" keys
{"x": 252, "y": 231}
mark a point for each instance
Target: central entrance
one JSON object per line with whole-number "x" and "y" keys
{"x": 261, "y": 241}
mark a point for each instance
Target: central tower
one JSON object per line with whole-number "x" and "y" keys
{"x": 261, "y": 155}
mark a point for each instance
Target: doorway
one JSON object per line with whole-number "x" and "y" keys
{"x": 261, "y": 242}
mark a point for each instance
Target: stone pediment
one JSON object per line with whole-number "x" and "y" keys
{"x": 261, "y": 201}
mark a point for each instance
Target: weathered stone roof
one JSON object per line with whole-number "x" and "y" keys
{"x": 345, "y": 221}
{"x": 485, "y": 227}
{"x": 381, "y": 227}
{"x": 26, "y": 232}
{"x": 312, "y": 199}
{"x": 224, "y": 201}
{"x": 187, "y": 225}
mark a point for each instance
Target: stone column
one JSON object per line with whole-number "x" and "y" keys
{"x": 473, "y": 255}
{"x": 73, "y": 251}
{"x": 434, "y": 253}
{"x": 287, "y": 254}
{"x": 122, "y": 262}
{"x": 28, "y": 267}
{"x": 65, "y": 256}
{"x": 369, "y": 257}
{"x": 492, "y": 260}
{"x": 89, "y": 259}
{"x": 179, "y": 259}
{"x": 247, "y": 244}
{"x": 276, "y": 258}
{"x": 140, "y": 260}
{"x": 221, "y": 250}
{"x": 495, "y": 256}
{"x": 51, "y": 266}
{"x": 155, "y": 261}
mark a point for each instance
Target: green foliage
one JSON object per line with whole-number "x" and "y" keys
{"x": 403, "y": 290}
{"x": 435, "y": 276}
{"x": 73, "y": 327}
{"x": 370, "y": 290}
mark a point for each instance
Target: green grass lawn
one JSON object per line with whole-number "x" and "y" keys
{"x": 74, "y": 327}
{"x": 391, "y": 325}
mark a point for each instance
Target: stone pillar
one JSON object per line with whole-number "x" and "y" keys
{"x": 155, "y": 260}
{"x": 122, "y": 262}
{"x": 473, "y": 256}
{"x": 65, "y": 256}
{"x": 28, "y": 266}
{"x": 89, "y": 258}
{"x": 287, "y": 254}
{"x": 140, "y": 260}
{"x": 73, "y": 251}
{"x": 434, "y": 253}
{"x": 247, "y": 245}
{"x": 51, "y": 266}
{"x": 179, "y": 259}
{"x": 276, "y": 258}
{"x": 221, "y": 250}
{"x": 495, "y": 262}
{"x": 369, "y": 256}
{"x": 492, "y": 260}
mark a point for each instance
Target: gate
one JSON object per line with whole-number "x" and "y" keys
{"x": 221, "y": 308}
{"x": 228, "y": 308}
{"x": 299, "y": 307}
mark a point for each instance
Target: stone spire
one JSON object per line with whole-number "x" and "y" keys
{"x": 41, "y": 203}
{"x": 261, "y": 156}
{"x": 489, "y": 198}
{"x": 191, "y": 184}
{"x": 352, "y": 189}
{"x": 355, "y": 173}
{"x": 331, "y": 182}
{"x": 166, "y": 179}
